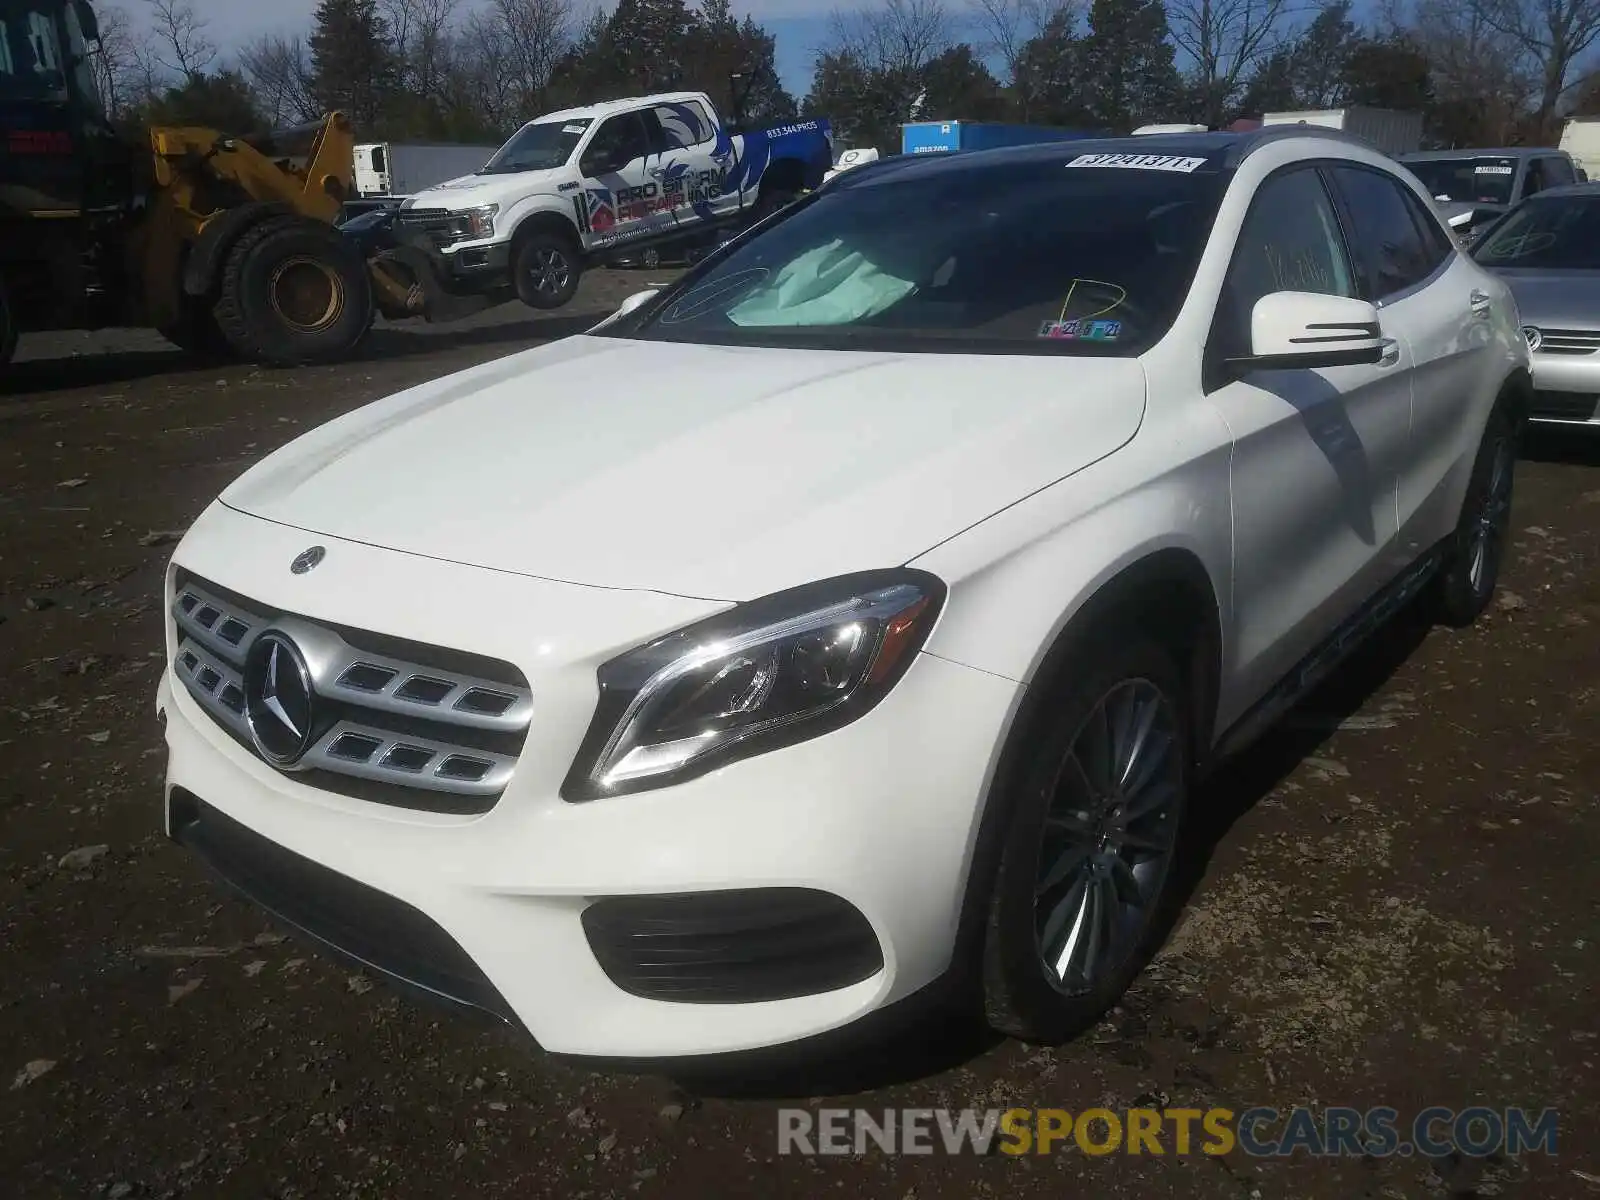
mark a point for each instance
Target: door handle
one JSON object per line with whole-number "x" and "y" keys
{"x": 1391, "y": 352}
{"x": 1480, "y": 303}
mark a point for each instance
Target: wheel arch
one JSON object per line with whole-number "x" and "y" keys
{"x": 1165, "y": 592}
{"x": 544, "y": 220}
{"x": 202, "y": 267}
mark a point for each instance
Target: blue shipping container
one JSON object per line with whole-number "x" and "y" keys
{"x": 937, "y": 137}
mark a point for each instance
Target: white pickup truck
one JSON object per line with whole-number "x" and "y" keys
{"x": 570, "y": 187}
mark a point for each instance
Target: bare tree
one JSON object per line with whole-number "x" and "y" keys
{"x": 115, "y": 62}
{"x": 1009, "y": 25}
{"x": 534, "y": 33}
{"x": 279, "y": 71}
{"x": 902, "y": 36}
{"x": 1552, "y": 34}
{"x": 179, "y": 41}
{"x": 420, "y": 33}
{"x": 1224, "y": 41}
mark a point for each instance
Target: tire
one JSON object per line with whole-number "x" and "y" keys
{"x": 8, "y": 327}
{"x": 197, "y": 333}
{"x": 1036, "y": 901}
{"x": 294, "y": 291}
{"x": 1473, "y": 557}
{"x": 546, "y": 269}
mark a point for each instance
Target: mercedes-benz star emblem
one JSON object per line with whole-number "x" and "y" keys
{"x": 278, "y": 699}
{"x": 1533, "y": 336}
{"x": 307, "y": 559}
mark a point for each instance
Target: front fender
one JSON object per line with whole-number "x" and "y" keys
{"x": 1018, "y": 579}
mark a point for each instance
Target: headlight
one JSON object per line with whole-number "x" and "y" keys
{"x": 766, "y": 674}
{"x": 480, "y": 221}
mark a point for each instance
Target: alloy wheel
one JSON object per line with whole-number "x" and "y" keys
{"x": 1109, "y": 837}
{"x": 550, "y": 271}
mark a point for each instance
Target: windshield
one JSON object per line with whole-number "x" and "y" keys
{"x": 30, "y": 53}
{"x": 1546, "y": 233}
{"x": 1467, "y": 180}
{"x": 1011, "y": 258}
{"x": 542, "y": 146}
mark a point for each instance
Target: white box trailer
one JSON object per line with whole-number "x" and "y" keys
{"x": 1390, "y": 130}
{"x": 406, "y": 168}
{"x": 1581, "y": 139}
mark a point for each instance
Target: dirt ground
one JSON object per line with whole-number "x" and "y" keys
{"x": 1395, "y": 896}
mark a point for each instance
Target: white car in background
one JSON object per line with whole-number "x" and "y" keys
{"x": 856, "y": 614}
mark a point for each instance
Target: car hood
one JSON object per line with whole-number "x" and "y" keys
{"x": 469, "y": 191}
{"x": 1557, "y": 299}
{"x": 712, "y": 472}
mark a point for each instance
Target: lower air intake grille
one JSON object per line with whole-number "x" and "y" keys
{"x": 1563, "y": 406}
{"x": 360, "y": 923}
{"x": 732, "y": 947}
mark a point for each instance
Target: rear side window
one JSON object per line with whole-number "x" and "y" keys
{"x": 1392, "y": 253}
{"x": 682, "y": 125}
{"x": 1438, "y": 243}
{"x": 1290, "y": 242}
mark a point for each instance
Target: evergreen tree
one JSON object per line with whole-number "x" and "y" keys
{"x": 1047, "y": 74}
{"x": 1126, "y": 65}
{"x": 352, "y": 63}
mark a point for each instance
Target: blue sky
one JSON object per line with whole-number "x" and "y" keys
{"x": 798, "y": 25}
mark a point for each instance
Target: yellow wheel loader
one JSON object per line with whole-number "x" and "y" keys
{"x": 224, "y": 244}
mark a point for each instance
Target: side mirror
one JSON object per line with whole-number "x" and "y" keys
{"x": 635, "y": 301}
{"x": 1292, "y": 331}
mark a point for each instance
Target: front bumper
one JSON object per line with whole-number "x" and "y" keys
{"x": 1566, "y": 389}
{"x": 880, "y": 815}
{"x": 490, "y": 261}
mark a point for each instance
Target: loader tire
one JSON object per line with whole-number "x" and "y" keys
{"x": 294, "y": 292}
{"x": 197, "y": 334}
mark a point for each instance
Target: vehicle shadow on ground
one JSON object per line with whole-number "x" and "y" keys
{"x": 944, "y": 1031}
{"x": 1578, "y": 448}
{"x": 37, "y": 376}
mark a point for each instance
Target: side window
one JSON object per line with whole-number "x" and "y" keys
{"x": 1558, "y": 171}
{"x": 1391, "y": 253}
{"x": 619, "y": 141}
{"x": 1533, "y": 180}
{"x": 683, "y": 125}
{"x": 1290, "y": 242}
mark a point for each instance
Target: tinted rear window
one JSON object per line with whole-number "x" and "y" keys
{"x": 1032, "y": 257}
{"x": 1467, "y": 180}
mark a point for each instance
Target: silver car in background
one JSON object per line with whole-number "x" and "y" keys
{"x": 1474, "y": 187}
{"x": 1548, "y": 250}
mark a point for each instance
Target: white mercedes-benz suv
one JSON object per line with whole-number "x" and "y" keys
{"x": 855, "y": 614}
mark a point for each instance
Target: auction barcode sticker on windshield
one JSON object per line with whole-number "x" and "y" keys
{"x": 1138, "y": 162}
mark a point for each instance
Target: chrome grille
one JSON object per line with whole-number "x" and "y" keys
{"x": 401, "y": 723}
{"x": 443, "y": 227}
{"x": 1569, "y": 341}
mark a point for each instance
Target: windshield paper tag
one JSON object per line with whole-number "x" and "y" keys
{"x": 572, "y": 128}
{"x": 1494, "y": 170}
{"x": 1138, "y": 162}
